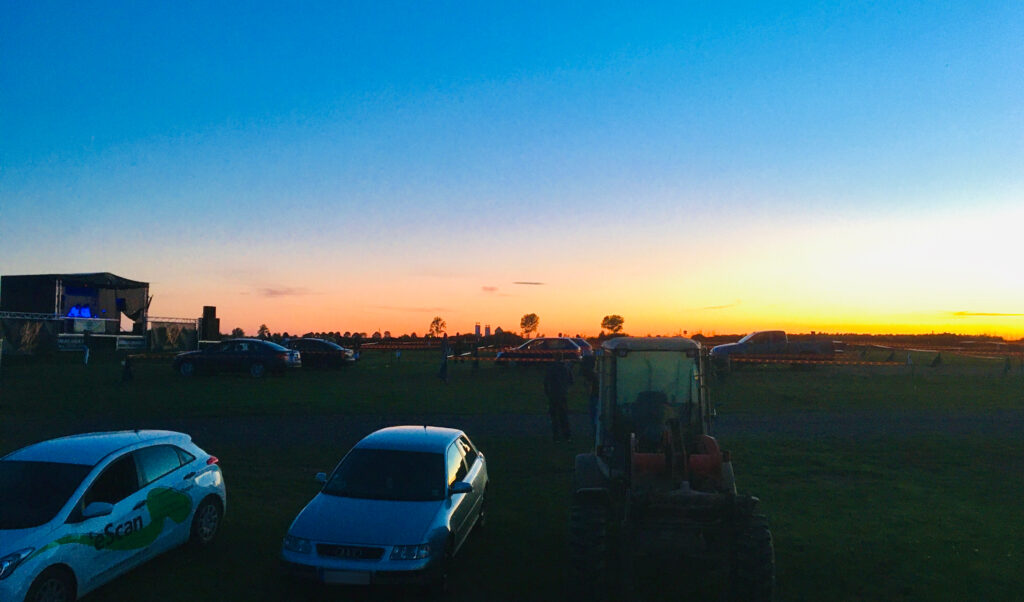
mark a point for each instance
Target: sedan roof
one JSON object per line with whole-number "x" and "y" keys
{"x": 89, "y": 448}
{"x": 411, "y": 438}
{"x": 650, "y": 344}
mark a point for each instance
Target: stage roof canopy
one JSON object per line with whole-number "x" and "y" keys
{"x": 38, "y": 293}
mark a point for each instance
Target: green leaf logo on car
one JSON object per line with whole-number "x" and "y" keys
{"x": 131, "y": 534}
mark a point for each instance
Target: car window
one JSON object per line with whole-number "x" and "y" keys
{"x": 468, "y": 451}
{"x": 183, "y": 456}
{"x": 31, "y": 493}
{"x": 456, "y": 464}
{"x": 154, "y": 462}
{"x": 386, "y": 474}
{"x": 243, "y": 346}
{"x": 118, "y": 481}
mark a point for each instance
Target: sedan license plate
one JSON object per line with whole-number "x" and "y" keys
{"x": 347, "y": 577}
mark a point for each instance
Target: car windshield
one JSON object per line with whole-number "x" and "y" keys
{"x": 274, "y": 346}
{"x": 31, "y": 493}
{"x": 385, "y": 474}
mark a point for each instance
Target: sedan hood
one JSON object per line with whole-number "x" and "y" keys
{"x": 15, "y": 539}
{"x": 725, "y": 349}
{"x": 348, "y": 520}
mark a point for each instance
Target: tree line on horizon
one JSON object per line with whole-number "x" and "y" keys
{"x": 611, "y": 326}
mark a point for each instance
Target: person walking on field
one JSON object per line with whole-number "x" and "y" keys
{"x": 442, "y": 373}
{"x": 557, "y": 380}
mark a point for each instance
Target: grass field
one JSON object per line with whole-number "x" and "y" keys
{"x": 919, "y": 517}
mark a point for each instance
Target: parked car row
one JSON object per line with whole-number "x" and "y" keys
{"x": 546, "y": 349}
{"x": 258, "y": 357}
{"x": 76, "y": 512}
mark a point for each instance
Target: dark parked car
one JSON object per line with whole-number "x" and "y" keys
{"x": 541, "y": 350}
{"x": 585, "y": 347}
{"x": 318, "y": 353}
{"x": 238, "y": 355}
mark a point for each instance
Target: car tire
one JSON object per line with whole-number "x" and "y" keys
{"x": 257, "y": 369}
{"x": 187, "y": 369}
{"x": 441, "y": 585}
{"x": 52, "y": 585}
{"x": 205, "y": 523}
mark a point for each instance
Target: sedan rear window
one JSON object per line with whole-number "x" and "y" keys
{"x": 31, "y": 493}
{"x": 384, "y": 474}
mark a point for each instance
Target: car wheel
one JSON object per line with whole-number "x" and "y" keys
{"x": 257, "y": 370}
{"x": 205, "y": 523}
{"x": 53, "y": 585}
{"x": 187, "y": 369}
{"x": 441, "y": 585}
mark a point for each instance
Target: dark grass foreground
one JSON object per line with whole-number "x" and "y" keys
{"x": 921, "y": 516}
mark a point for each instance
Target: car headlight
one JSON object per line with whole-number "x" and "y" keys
{"x": 410, "y": 552}
{"x": 11, "y": 561}
{"x": 297, "y": 544}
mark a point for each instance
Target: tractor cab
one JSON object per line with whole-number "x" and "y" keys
{"x": 654, "y": 412}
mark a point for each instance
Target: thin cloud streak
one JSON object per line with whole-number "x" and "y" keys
{"x": 530, "y": 283}
{"x": 714, "y": 307}
{"x": 971, "y": 314}
{"x": 414, "y": 309}
{"x": 285, "y": 292}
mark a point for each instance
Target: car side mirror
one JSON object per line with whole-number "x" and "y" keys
{"x": 97, "y": 509}
{"x": 321, "y": 477}
{"x": 460, "y": 487}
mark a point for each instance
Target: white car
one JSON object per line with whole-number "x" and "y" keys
{"x": 395, "y": 510}
{"x": 76, "y": 512}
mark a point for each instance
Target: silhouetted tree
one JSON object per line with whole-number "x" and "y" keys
{"x": 376, "y": 336}
{"x": 237, "y": 332}
{"x": 387, "y": 334}
{"x": 437, "y": 326}
{"x": 529, "y": 324}
{"x": 263, "y": 332}
{"x": 612, "y": 323}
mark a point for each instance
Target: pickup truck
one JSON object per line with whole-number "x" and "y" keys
{"x": 772, "y": 342}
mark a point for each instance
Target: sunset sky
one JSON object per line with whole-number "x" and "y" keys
{"x": 715, "y": 167}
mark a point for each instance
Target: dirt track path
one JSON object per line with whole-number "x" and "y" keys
{"x": 274, "y": 431}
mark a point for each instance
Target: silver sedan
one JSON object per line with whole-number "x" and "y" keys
{"x": 396, "y": 509}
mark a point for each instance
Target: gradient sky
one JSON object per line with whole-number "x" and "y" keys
{"x": 361, "y": 166}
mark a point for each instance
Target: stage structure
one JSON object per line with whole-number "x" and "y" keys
{"x": 36, "y": 311}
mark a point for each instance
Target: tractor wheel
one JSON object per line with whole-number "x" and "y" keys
{"x": 752, "y": 575}
{"x": 588, "y": 552}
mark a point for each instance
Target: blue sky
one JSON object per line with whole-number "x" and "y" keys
{"x": 418, "y": 153}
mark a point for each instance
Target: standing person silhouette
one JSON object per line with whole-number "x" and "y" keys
{"x": 557, "y": 380}
{"x": 443, "y": 372}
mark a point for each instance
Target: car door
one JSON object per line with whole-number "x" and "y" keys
{"x": 461, "y": 504}
{"x": 223, "y": 356}
{"x": 168, "y": 486}
{"x": 476, "y": 474}
{"x": 111, "y": 540}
